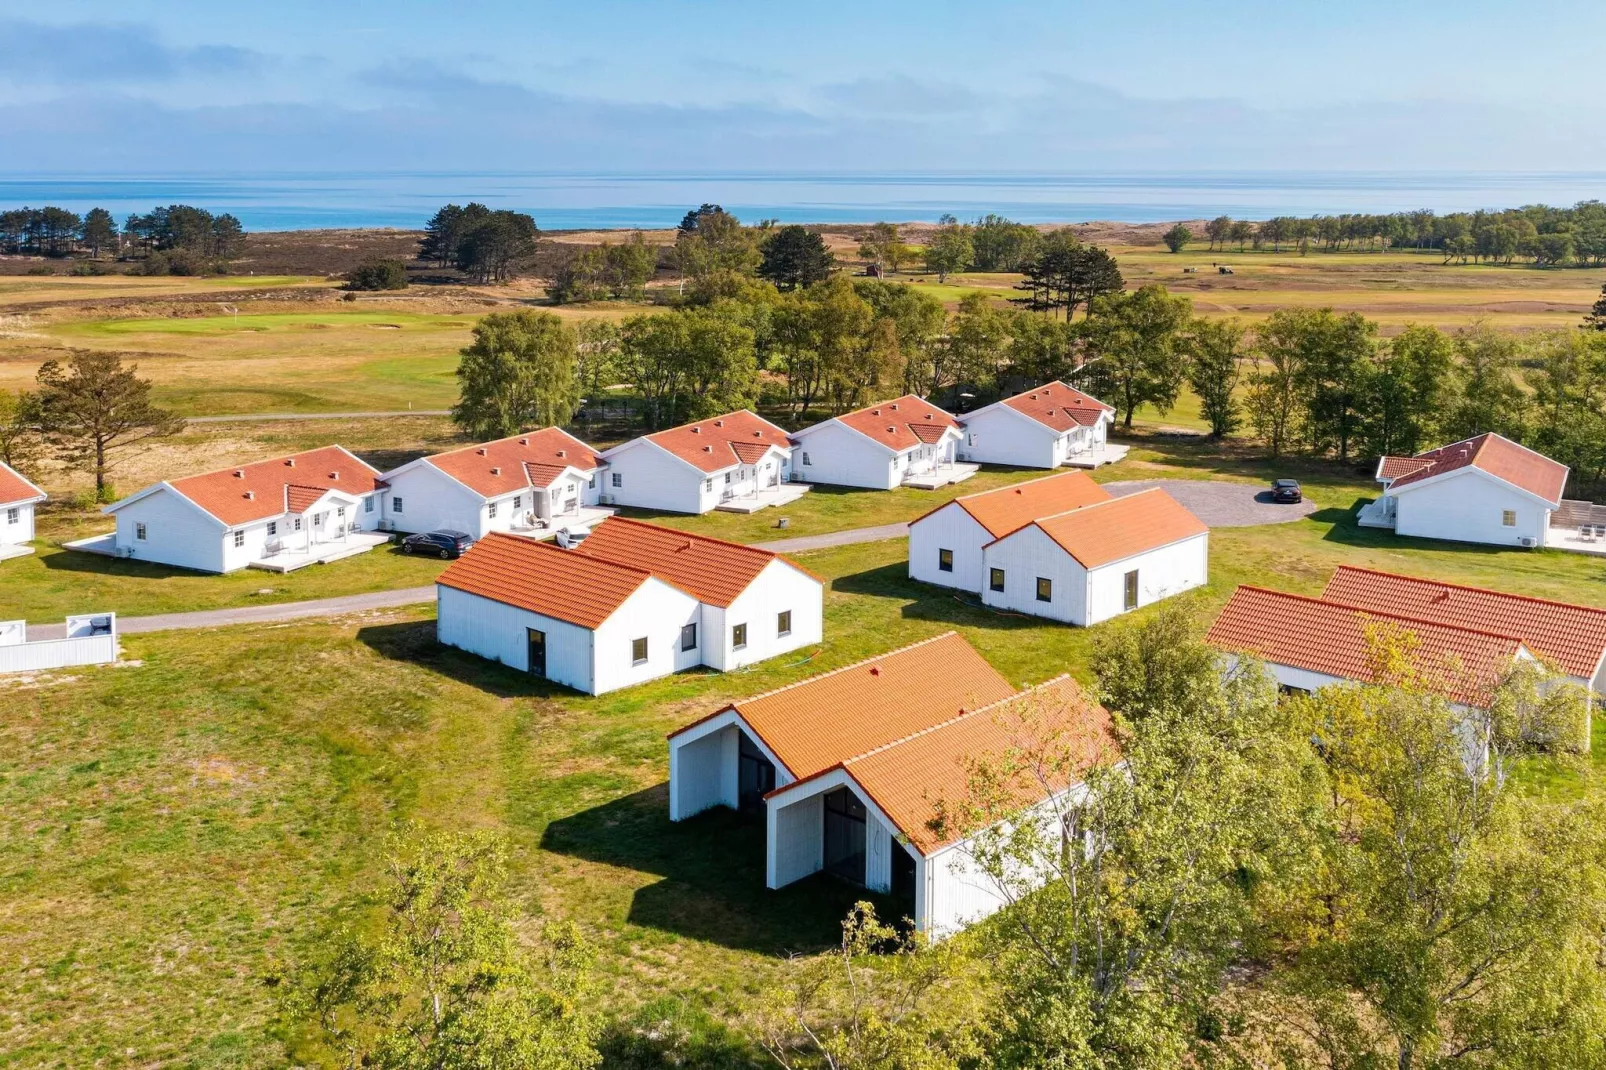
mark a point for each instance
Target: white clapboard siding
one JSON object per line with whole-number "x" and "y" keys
{"x": 949, "y": 528}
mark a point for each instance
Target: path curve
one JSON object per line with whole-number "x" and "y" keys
{"x": 1219, "y": 503}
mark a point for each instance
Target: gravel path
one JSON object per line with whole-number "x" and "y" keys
{"x": 1221, "y": 504}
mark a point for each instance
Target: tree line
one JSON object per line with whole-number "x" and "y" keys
{"x": 178, "y": 238}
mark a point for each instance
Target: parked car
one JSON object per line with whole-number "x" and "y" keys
{"x": 444, "y": 544}
{"x": 1286, "y": 490}
{"x": 569, "y": 538}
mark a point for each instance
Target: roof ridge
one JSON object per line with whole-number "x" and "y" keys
{"x": 1384, "y": 614}
{"x": 960, "y": 716}
{"x": 961, "y": 498}
{"x": 1469, "y": 587}
{"x": 280, "y": 457}
{"x": 737, "y": 705}
{"x": 691, "y": 535}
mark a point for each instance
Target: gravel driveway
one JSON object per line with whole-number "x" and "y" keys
{"x": 1221, "y": 504}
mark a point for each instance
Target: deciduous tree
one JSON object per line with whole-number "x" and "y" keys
{"x": 1216, "y": 356}
{"x": 1136, "y": 352}
{"x": 948, "y": 250}
{"x": 1408, "y": 391}
{"x": 93, "y": 406}
{"x": 1177, "y": 238}
{"x": 518, "y": 373}
{"x": 21, "y": 443}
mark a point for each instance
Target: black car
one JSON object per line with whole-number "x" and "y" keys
{"x": 1286, "y": 490}
{"x": 443, "y": 544}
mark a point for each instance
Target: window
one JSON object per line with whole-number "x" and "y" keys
{"x": 783, "y": 622}
{"x": 945, "y": 560}
{"x": 618, "y": 479}
{"x": 727, "y": 479}
{"x": 708, "y": 484}
{"x": 239, "y": 537}
{"x": 518, "y": 502}
{"x": 806, "y": 462}
{"x": 368, "y": 504}
{"x": 13, "y": 516}
{"x": 592, "y": 482}
{"x": 688, "y": 637}
{"x": 297, "y": 524}
{"x": 395, "y": 503}
{"x": 995, "y": 579}
{"x": 1045, "y": 589}
{"x": 273, "y": 527}
{"x": 341, "y": 512}
{"x": 139, "y": 532}
{"x": 638, "y": 651}
{"x": 738, "y": 636}
{"x": 1508, "y": 518}
{"x": 1130, "y": 600}
{"x": 490, "y": 510}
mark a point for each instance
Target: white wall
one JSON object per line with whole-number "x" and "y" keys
{"x": 1000, "y": 435}
{"x": 796, "y": 840}
{"x": 1162, "y": 573}
{"x": 778, "y": 587}
{"x": 656, "y": 611}
{"x": 653, "y": 478}
{"x": 1465, "y": 506}
{"x": 19, "y": 531}
{"x": 948, "y": 528}
{"x": 879, "y": 843}
{"x": 496, "y": 631}
{"x": 178, "y": 532}
{"x": 431, "y": 500}
{"x": 1024, "y": 556}
{"x": 703, "y": 772}
{"x": 47, "y": 654}
{"x": 842, "y": 457}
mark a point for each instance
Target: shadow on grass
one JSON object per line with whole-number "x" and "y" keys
{"x": 104, "y": 565}
{"x": 712, "y": 867}
{"x": 414, "y": 642}
{"x": 1346, "y": 531}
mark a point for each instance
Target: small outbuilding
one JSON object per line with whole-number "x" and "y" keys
{"x": 1486, "y": 489}
{"x": 630, "y": 603}
{"x": 1048, "y": 426}
{"x": 738, "y": 462}
{"x": 18, "y": 496}
{"x": 903, "y": 442}
{"x": 528, "y": 484}
{"x": 850, "y": 769}
{"x": 1098, "y": 561}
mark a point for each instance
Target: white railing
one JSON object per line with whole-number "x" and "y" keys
{"x": 91, "y": 640}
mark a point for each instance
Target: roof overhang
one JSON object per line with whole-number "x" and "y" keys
{"x": 1473, "y": 469}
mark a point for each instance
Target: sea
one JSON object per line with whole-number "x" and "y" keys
{"x": 583, "y": 201}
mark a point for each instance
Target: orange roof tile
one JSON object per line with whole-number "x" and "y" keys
{"x": 712, "y": 445}
{"x": 259, "y": 491}
{"x": 900, "y": 424}
{"x": 711, "y": 570}
{"x": 543, "y": 579}
{"x": 909, "y": 777}
{"x": 1498, "y": 456}
{"x": 14, "y": 489}
{"x": 825, "y": 720}
{"x": 1003, "y": 510}
{"x": 1059, "y": 406}
{"x": 1109, "y": 531}
{"x": 1572, "y": 636}
{"x": 1330, "y": 638}
{"x": 514, "y": 463}
{"x": 1394, "y": 467}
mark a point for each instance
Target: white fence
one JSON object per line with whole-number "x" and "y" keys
{"x": 91, "y": 640}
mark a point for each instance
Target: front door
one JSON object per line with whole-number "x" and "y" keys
{"x": 844, "y": 835}
{"x": 537, "y": 648}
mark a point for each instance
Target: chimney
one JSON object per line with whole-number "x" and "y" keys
{"x": 524, "y": 442}
{"x": 708, "y": 449}
{"x": 289, "y": 462}
{"x": 875, "y": 412}
{"x": 894, "y": 406}
{"x": 891, "y": 429}
{"x": 250, "y": 495}
{"x": 563, "y": 453}
{"x": 719, "y": 423}
{"x": 496, "y": 471}
{"x": 480, "y": 451}
{"x": 758, "y": 434}
{"x": 875, "y": 670}
{"x": 239, "y": 473}
{"x": 1034, "y": 397}
{"x": 696, "y": 430}
{"x": 335, "y": 476}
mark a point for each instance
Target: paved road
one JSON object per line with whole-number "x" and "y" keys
{"x": 1221, "y": 504}
{"x": 835, "y": 538}
{"x": 268, "y": 417}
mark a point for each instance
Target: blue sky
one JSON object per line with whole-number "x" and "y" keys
{"x": 96, "y": 85}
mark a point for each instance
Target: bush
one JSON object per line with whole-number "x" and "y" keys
{"x": 178, "y": 262}
{"x": 41, "y": 270}
{"x": 378, "y": 273}
{"x": 89, "y": 267}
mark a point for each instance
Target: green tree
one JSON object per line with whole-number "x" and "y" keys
{"x": 721, "y": 373}
{"x": 949, "y": 250}
{"x": 442, "y": 980}
{"x": 1218, "y": 230}
{"x": 1336, "y": 356}
{"x": 98, "y": 232}
{"x": 228, "y": 237}
{"x": 596, "y": 356}
{"x": 1490, "y": 398}
{"x": 444, "y": 230}
{"x": 1003, "y": 245}
{"x": 1596, "y": 320}
{"x": 1177, "y": 238}
{"x": 579, "y": 278}
{"x": 1409, "y": 388}
{"x": 1040, "y": 349}
{"x": 21, "y": 444}
{"x": 919, "y": 319}
{"x": 1065, "y": 274}
{"x": 1136, "y": 349}
{"x": 378, "y": 273}
{"x": 629, "y": 266}
{"x": 878, "y": 244}
{"x": 492, "y": 244}
{"x": 1216, "y": 355}
{"x": 517, "y": 373}
{"x": 93, "y": 406}
{"x": 712, "y": 242}
{"x": 1241, "y": 231}
{"x": 978, "y": 337}
{"x": 650, "y": 359}
{"x": 794, "y": 256}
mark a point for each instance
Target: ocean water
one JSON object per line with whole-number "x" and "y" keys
{"x": 561, "y": 201}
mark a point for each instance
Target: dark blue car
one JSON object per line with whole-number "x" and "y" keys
{"x": 1286, "y": 490}
{"x": 443, "y": 544}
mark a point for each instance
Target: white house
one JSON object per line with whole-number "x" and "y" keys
{"x": 529, "y": 484}
{"x": 850, "y": 768}
{"x": 631, "y": 603}
{"x": 1485, "y": 489}
{"x": 1098, "y": 561}
{"x": 945, "y": 545}
{"x": 1046, "y": 427}
{"x": 738, "y": 461}
{"x": 310, "y": 507}
{"x": 18, "y": 496}
{"x": 905, "y": 441}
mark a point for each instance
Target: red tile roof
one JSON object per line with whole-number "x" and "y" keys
{"x": 825, "y": 720}
{"x": 1395, "y": 467}
{"x": 14, "y": 489}
{"x": 1496, "y": 455}
{"x": 711, "y": 570}
{"x": 1059, "y": 406}
{"x": 261, "y": 490}
{"x": 909, "y": 777}
{"x": 900, "y": 424}
{"x": 1109, "y": 531}
{"x": 1572, "y": 636}
{"x": 543, "y": 579}
{"x": 1004, "y": 510}
{"x": 1330, "y": 638}
{"x": 716, "y": 444}
{"x": 511, "y": 464}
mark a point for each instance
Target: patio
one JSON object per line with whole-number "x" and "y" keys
{"x": 10, "y": 550}
{"x": 320, "y": 553}
{"x": 1096, "y": 457}
{"x": 941, "y": 476}
{"x": 1579, "y": 527}
{"x": 781, "y": 494}
{"x": 586, "y": 516}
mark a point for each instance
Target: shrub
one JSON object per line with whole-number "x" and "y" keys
{"x": 378, "y": 273}
{"x": 41, "y": 270}
{"x": 89, "y": 267}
